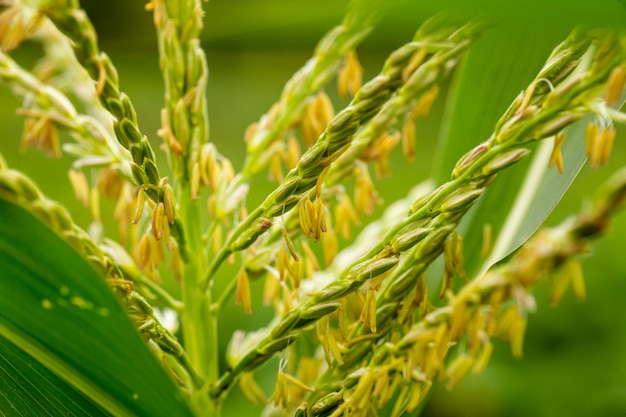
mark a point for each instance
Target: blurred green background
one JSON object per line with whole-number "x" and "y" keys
{"x": 575, "y": 355}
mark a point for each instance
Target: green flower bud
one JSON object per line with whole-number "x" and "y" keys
{"x": 248, "y": 237}
{"x": 325, "y": 404}
{"x": 152, "y": 172}
{"x": 319, "y": 310}
{"x": 504, "y": 161}
{"x": 286, "y": 323}
{"x": 461, "y": 200}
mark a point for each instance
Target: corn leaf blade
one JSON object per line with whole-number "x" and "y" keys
{"x": 57, "y": 311}
{"x": 28, "y": 388}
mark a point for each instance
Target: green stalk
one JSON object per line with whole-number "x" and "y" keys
{"x": 198, "y": 322}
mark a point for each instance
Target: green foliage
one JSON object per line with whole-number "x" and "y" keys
{"x": 66, "y": 336}
{"x": 357, "y": 327}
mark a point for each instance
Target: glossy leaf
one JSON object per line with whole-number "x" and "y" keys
{"x": 27, "y": 388}
{"x": 60, "y": 321}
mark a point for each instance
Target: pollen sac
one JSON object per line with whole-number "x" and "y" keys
{"x": 158, "y": 217}
{"x": 615, "y": 85}
{"x": 168, "y": 201}
{"x": 350, "y": 75}
{"x": 242, "y": 294}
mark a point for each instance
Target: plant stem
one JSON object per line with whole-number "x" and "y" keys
{"x": 198, "y": 323}
{"x": 222, "y": 255}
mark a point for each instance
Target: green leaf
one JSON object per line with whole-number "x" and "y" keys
{"x": 28, "y": 388}
{"x": 496, "y": 70}
{"x": 59, "y": 320}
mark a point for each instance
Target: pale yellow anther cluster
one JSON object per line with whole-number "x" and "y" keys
{"x": 350, "y": 75}
{"x": 464, "y": 318}
{"x": 318, "y": 114}
{"x": 312, "y": 218}
{"x": 408, "y": 365}
{"x": 369, "y": 311}
{"x": 599, "y": 143}
{"x": 17, "y": 23}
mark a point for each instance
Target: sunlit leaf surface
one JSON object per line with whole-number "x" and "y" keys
{"x": 60, "y": 321}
